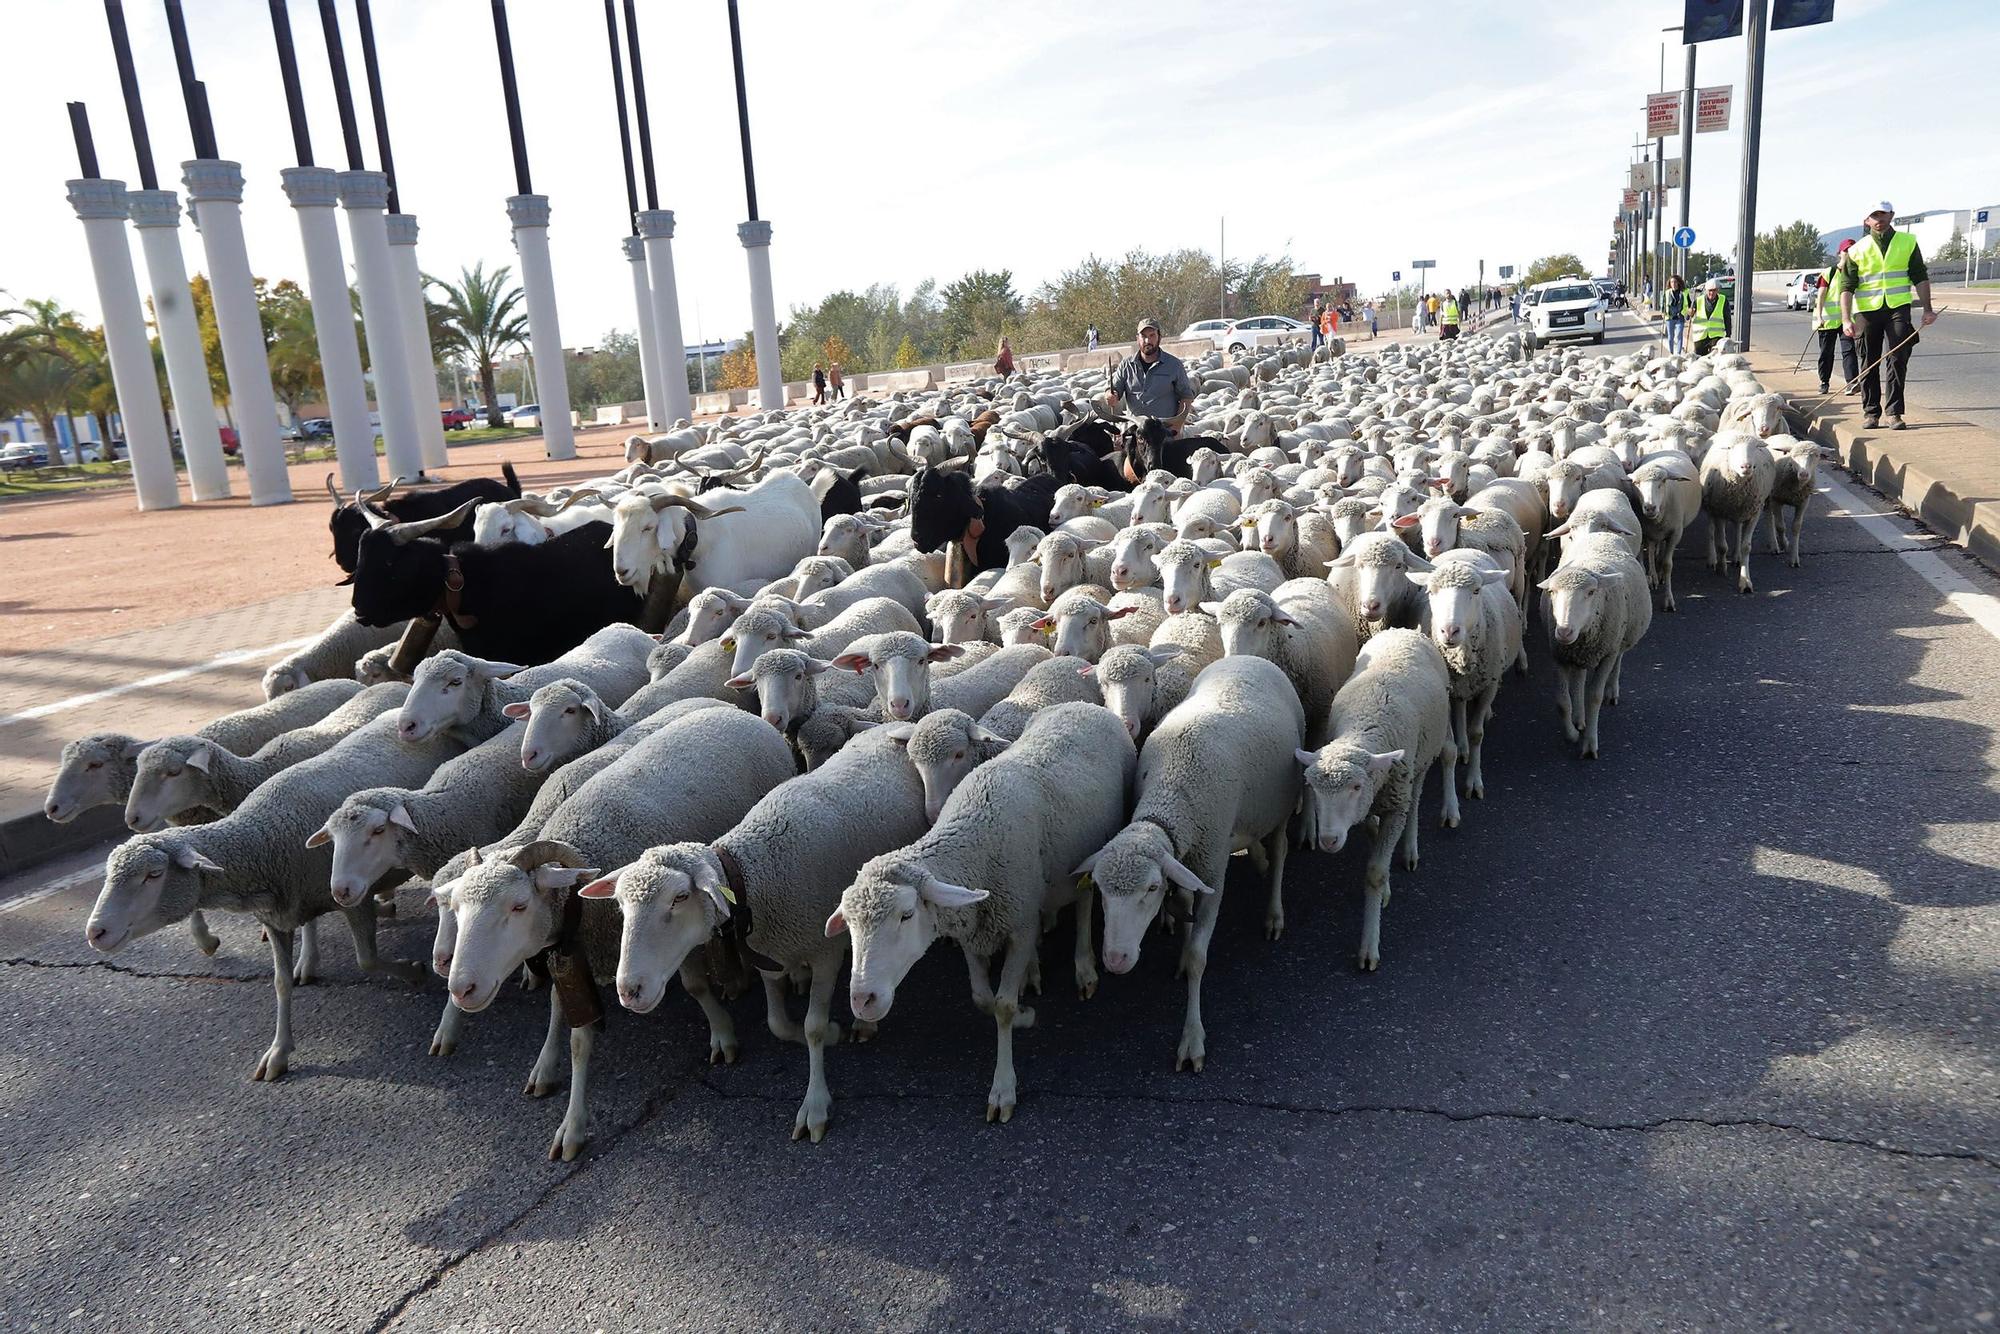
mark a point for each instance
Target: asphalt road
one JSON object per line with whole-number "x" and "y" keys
{"x": 1955, "y": 369}
{"x": 1700, "y": 1035}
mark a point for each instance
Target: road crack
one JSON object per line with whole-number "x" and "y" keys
{"x": 1665, "y": 1124}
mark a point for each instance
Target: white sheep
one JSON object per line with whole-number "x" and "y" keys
{"x": 1045, "y": 685}
{"x": 1669, "y": 489}
{"x": 1367, "y": 579}
{"x": 1388, "y": 725}
{"x": 1476, "y": 625}
{"x": 1299, "y": 540}
{"x": 958, "y": 616}
{"x": 1737, "y": 474}
{"x": 1796, "y": 464}
{"x": 900, "y": 665}
{"x": 1216, "y": 777}
{"x": 1002, "y": 853}
{"x": 1302, "y": 628}
{"x": 330, "y": 656}
{"x": 764, "y": 628}
{"x": 1598, "y": 606}
{"x": 1079, "y": 626}
{"x": 458, "y": 692}
{"x": 1191, "y": 574}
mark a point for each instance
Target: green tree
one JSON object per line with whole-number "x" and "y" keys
{"x": 292, "y": 341}
{"x": 482, "y": 319}
{"x": 977, "y": 310}
{"x": 1704, "y": 264}
{"x": 611, "y": 372}
{"x": 42, "y": 377}
{"x": 1956, "y": 250}
{"x": 211, "y": 340}
{"x": 1550, "y": 267}
{"x": 907, "y": 355}
{"x": 1795, "y": 245}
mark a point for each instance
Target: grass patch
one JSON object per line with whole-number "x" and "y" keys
{"x": 54, "y": 481}
{"x": 482, "y": 435}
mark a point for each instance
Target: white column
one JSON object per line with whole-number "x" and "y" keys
{"x": 365, "y": 196}
{"x": 215, "y": 197}
{"x": 649, "y": 352}
{"x": 656, "y": 226}
{"x": 417, "y": 337}
{"x": 756, "y": 239}
{"x": 530, "y": 216}
{"x": 156, "y": 216}
{"x": 101, "y": 206}
{"x": 314, "y": 191}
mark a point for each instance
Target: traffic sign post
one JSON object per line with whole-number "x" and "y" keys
{"x": 1425, "y": 285}
{"x": 1684, "y": 238}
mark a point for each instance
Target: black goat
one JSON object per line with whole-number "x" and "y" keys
{"x": 944, "y": 505}
{"x": 837, "y": 492}
{"x": 514, "y": 603}
{"x": 1073, "y": 461}
{"x": 350, "y": 519}
{"x": 1094, "y": 433}
{"x": 1145, "y": 445}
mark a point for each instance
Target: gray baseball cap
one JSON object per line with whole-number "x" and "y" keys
{"x": 1148, "y": 323}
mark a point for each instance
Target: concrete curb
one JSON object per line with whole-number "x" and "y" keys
{"x": 1883, "y": 460}
{"x": 29, "y": 838}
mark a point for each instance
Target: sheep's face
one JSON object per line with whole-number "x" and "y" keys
{"x": 1341, "y": 780}
{"x": 1132, "y": 873}
{"x": 1062, "y": 563}
{"x": 709, "y": 614}
{"x": 1804, "y": 459}
{"x": 1274, "y": 531}
{"x": 1453, "y": 595}
{"x": 1350, "y": 519}
{"x": 1204, "y": 466}
{"x": 817, "y": 574}
{"x": 1196, "y": 527}
{"x": 1128, "y": 677}
{"x": 1345, "y": 460}
{"x": 1152, "y": 504}
{"x": 1252, "y": 625}
{"x": 369, "y": 835}
{"x": 444, "y": 941}
{"x": 1080, "y": 627}
{"x": 786, "y": 691}
{"x": 505, "y": 915}
{"x": 892, "y": 911}
{"x": 372, "y": 667}
{"x": 672, "y": 901}
{"x": 844, "y": 537}
{"x": 1438, "y": 522}
{"x": 661, "y": 659}
{"x": 283, "y": 679}
{"x": 902, "y": 668}
{"x": 150, "y": 882}
{"x": 1565, "y": 487}
{"x": 1072, "y": 502}
{"x": 1132, "y": 555}
{"x": 1575, "y": 600}
{"x": 1018, "y": 627}
{"x": 1186, "y": 579}
{"x": 448, "y": 690}
{"x": 171, "y": 778}
{"x": 1259, "y": 485}
{"x": 964, "y": 618}
{"x": 756, "y": 633}
{"x": 943, "y": 748}
{"x": 96, "y": 771}
{"x": 560, "y": 719}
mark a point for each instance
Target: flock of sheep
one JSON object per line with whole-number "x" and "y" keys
{"x": 842, "y": 746}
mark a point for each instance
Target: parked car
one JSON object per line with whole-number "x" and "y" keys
{"x": 1565, "y": 308}
{"x": 1213, "y": 330}
{"x": 457, "y": 419}
{"x": 1802, "y": 289}
{"x": 94, "y": 453}
{"x": 533, "y": 410}
{"x": 231, "y": 442}
{"x": 1263, "y": 331}
{"x": 24, "y": 454}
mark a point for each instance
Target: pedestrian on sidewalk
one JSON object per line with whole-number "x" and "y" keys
{"x": 1090, "y": 338}
{"x": 1317, "y": 324}
{"x": 1676, "y": 305}
{"x": 836, "y": 382}
{"x": 1881, "y": 272}
{"x": 819, "y": 383}
{"x": 1709, "y": 321}
{"x": 1826, "y": 313}
{"x": 1003, "y": 360}
{"x": 1449, "y": 330}
{"x": 1431, "y": 310}
{"x": 1370, "y": 314}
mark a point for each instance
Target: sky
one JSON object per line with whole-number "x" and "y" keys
{"x": 902, "y": 141}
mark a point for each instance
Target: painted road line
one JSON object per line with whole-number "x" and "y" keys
{"x": 54, "y": 887}
{"x": 230, "y": 659}
{"x": 1981, "y": 607}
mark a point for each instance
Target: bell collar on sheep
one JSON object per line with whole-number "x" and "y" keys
{"x": 563, "y": 960}
{"x": 737, "y": 926}
{"x": 683, "y": 557}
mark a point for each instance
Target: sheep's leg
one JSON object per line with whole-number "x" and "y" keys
{"x": 1743, "y": 584}
{"x": 1194, "y": 962}
{"x": 820, "y": 1033}
{"x": 1008, "y": 1015}
{"x": 1798, "y": 526}
{"x": 1768, "y": 516}
{"x": 1579, "y": 678}
{"x": 1085, "y": 951}
{"x": 1033, "y": 981}
{"x": 1598, "y": 677}
{"x": 1274, "y": 909}
{"x": 722, "y": 1048}
{"x": 1715, "y": 542}
{"x": 1448, "y": 760}
{"x": 1667, "y": 549}
{"x": 361, "y": 924}
{"x": 1480, "y": 710}
{"x": 305, "y": 965}
{"x": 574, "y": 1132}
{"x": 777, "y": 1010}
{"x": 279, "y": 1057}
{"x": 450, "y": 1024}
{"x": 542, "y": 1078}
{"x": 204, "y": 939}
{"x": 1617, "y": 678}
{"x": 1375, "y": 888}
{"x": 979, "y": 972}
{"x": 1460, "y": 740}
{"x": 1305, "y": 821}
{"x": 1411, "y": 824}
{"x": 1566, "y": 699}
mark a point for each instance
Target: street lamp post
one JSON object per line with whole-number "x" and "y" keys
{"x": 1746, "y": 209}
{"x": 755, "y": 235}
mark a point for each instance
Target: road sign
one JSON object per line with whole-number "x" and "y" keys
{"x": 1684, "y": 237}
{"x": 1506, "y": 270}
{"x": 1663, "y": 115}
{"x": 1423, "y": 263}
{"x": 1395, "y": 275}
{"x": 1982, "y": 215}
{"x": 1711, "y": 108}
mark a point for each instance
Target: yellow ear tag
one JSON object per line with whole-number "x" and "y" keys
{"x": 729, "y": 644}
{"x": 1215, "y": 563}
{"x": 1083, "y": 882}
{"x": 728, "y": 894}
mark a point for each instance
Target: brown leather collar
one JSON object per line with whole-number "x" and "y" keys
{"x": 454, "y": 591}
{"x": 569, "y": 970}
{"x": 738, "y": 927}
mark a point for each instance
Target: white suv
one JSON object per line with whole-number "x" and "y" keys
{"x": 1802, "y": 289}
{"x": 1213, "y": 330}
{"x": 1262, "y": 331}
{"x": 1565, "y": 308}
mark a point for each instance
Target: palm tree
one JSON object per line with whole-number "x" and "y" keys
{"x": 481, "y": 317}
{"x": 40, "y": 367}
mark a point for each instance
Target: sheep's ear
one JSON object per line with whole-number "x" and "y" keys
{"x": 1044, "y": 623}
{"x": 134, "y": 747}
{"x": 1547, "y": 585}
{"x": 1182, "y": 876}
{"x": 516, "y": 710}
{"x": 943, "y": 894}
{"x": 1120, "y": 612}
{"x": 320, "y": 837}
{"x": 1088, "y": 864}
{"x": 1279, "y": 618}
{"x": 1382, "y": 763}
{"x": 1420, "y": 580}
{"x": 900, "y": 733}
{"x": 659, "y": 638}
{"x": 1439, "y": 482}
{"x": 1160, "y": 657}
{"x": 498, "y": 671}
{"x": 1403, "y": 521}
{"x": 794, "y": 633}
{"x": 992, "y": 739}
{"x": 198, "y": 758}
{"x": 1085, "y": 670}
{"x": 996, "y": 606}
{"x": 189, "y": 859}
{"x": 853, "y": 662}
{"x": 705, "y": 881}
{"x": 604, "y": 887}
{"x": 1306, "y": 758}
{"x": 1212, "y": 608}
{"x": 945, "y": 652}
{"x": 836, "y": 924}
{"x": 1488, "y": 578}
{"x": 1343, "y": 560}
{"x": 743, "y": 682}
{"x": 400, "y": 816}
{"x": 564, "y": 877}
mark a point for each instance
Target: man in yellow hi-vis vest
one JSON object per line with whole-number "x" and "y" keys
{"x": 1826, "y": 313}
{"x": 1883, "y": 273}
{"x": 1708, "y": 321}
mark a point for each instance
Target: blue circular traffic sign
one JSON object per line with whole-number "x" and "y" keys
{"x": 1684, "y": 237}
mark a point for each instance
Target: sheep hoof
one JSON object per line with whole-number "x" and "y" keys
{"x": 385, "y": 907}
{"x": 863, "y": 1030}
{"x": 539, "y": 1085}
{"x": 1086, "y": 983}
{"x": 272, "y": 1068}
{"x": 810, "y": 1123}
{"x": 1001, "y": 1112}
{"x": 1475, "y": 790}
{"x": 208, "y": 945}
{"x": 1368, "y": 961}
{"x": 1193, "y": 1051}
{"x": 1274, "y": 927}
{"x": 721, "y": 1052}
{"x": 568, "y": 1143}
{"x": 442, "y": 1045}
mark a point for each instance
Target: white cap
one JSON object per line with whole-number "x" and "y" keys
{"x": 1882, "y": 206}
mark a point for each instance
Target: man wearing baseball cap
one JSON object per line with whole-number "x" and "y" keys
{"x": 1884, "y": 272}
{"x": 1152, "y": 382}
{"x": 1827, "y": 312}
{"x": 1708, "y": 322}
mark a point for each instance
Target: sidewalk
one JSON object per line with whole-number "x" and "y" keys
{"x": 1944, "y": 471}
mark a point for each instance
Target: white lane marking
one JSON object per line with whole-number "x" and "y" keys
{"x": 229, "y": 659}
{"x": 54, "y": 887}
{"x": 1982, "y": 608}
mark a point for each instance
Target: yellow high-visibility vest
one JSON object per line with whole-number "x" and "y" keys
{"x": 1883, "y": 274}
{"x": 1831, "y": 283}
{"x": 1451, "y": 312}
{"x": 1708, "y": 320}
